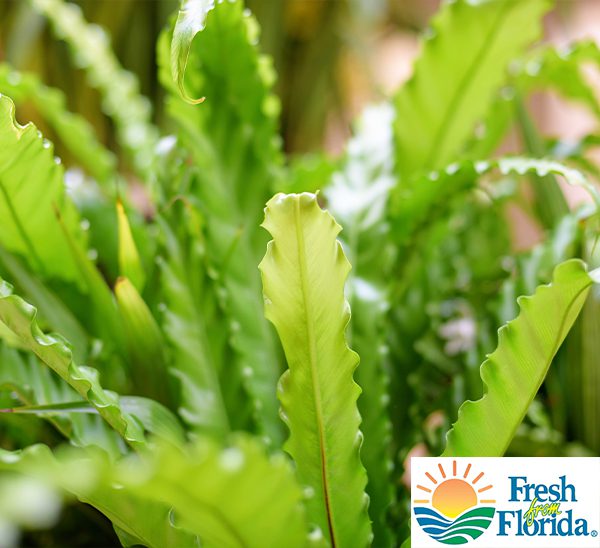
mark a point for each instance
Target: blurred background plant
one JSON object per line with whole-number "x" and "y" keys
{"x": 332, "y": 58}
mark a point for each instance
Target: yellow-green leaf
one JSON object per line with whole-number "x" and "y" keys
{"x": 130, "y": 265}
{"x": 303, "y": 274}
{"x": 31, "y": 191}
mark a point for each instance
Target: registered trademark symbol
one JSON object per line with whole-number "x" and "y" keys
{"x": 594, "y": 533}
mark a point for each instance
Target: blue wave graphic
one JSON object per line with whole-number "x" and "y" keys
{"x": 468, "y": 526}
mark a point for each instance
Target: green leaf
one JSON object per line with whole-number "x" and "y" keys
{"x": 190, "y": 21}
{"x": 74, "y": 131}
{"x": 590, "y": 324}
{"x": 233, "y": 496}
{"x": 224, "y": 495}
{"x": 462, "y": 64}
{"x": 579, "y": 397}
{"x": 9, "y": 337}
{"x": 412, "y": 208}
{"x": 546, "y": 68}
{"x": 20, "y": 317}
{"x": 303, "y": 274}
{"x": 31, "y": 190}
{"x": 120, "y": 92}
{"x": 562, "y": 70}
{"x": 156, "y": 418}
{"x": 309, "y": 173}
{"x": 188, "y": 314}
{"x": 514, "y": 372}
{"x": 130, "y": 265}
{"x": 550, "y": 204}
{"x": 104, "y": 314}
{"x": 51, "y": 409}
{"x": 236, "y": 151}
{"x": 38, "y": 386}
{"x": 144, "y": 341}
{"x": 49, "y": 305}
{"x": 582, "y": 394}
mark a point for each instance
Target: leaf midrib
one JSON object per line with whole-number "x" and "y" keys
{"x": 556, "y": 345}
{"x": 464, "y": 83}
{"x": 310, "y": 335}
{"x": 455, "y": 449}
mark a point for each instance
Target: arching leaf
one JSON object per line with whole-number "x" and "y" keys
{"x": 190, "y": 21}
{"x": 20, "y": 318}
{"x": 514, "y": 372}
{"x": 90, "y": 477}
{"x": 546, "y": 68}
{"x": 50, "y": 307}
{"x": 357, "y": 197}
{"x": 412, "y": 208}
{"x": 37, "y": 385}
{"x": 190, "y": 310}
{"x": 225, "y": 495}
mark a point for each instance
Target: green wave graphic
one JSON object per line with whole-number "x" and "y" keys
{"x": 466, "y": 527}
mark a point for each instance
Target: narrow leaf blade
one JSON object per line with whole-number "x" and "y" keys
{"x": 303, "y": 274}
{"x": 130, "y": 265}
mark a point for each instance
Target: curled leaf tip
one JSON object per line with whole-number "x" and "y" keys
{"x": 194, "y": 101}
{"x": 190, "y": 21}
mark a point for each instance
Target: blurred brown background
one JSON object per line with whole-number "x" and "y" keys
{"x": 332, "y": 56}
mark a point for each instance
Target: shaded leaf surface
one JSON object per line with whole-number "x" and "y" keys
{"x": 20, "y": 317}
{"x": 232, "y": 137}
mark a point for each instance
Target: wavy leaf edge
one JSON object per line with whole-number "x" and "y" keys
{"x": 594, "y": 277}
{"x": 83, "y": 378}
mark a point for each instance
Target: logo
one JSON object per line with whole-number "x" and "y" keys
{"x": 508, "y": 502}
{"x": 456, "y": 506}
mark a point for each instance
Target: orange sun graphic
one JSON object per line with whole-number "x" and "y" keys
{"x": 452, "y": 496}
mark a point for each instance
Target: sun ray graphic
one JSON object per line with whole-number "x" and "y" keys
{"x": 455, "y": 494}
